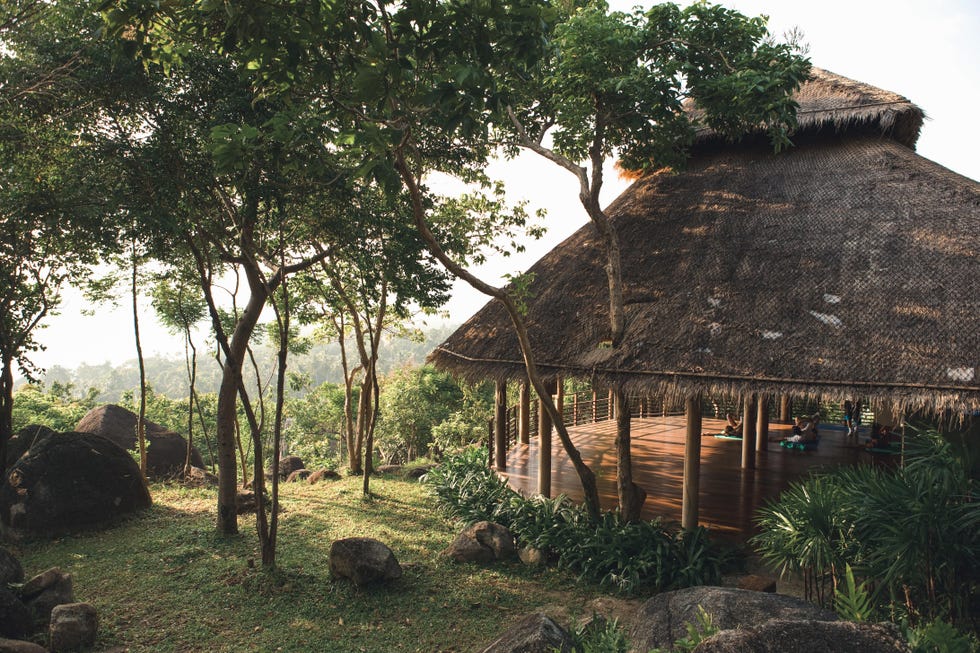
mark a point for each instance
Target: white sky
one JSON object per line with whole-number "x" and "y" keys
{"x": 927, "y": 51}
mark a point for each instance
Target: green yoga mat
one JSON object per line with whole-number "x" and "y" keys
{"x": 801, "y": 446}
{"x": 722, "y": 436}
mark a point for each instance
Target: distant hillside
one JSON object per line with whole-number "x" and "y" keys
{"x": 168, "y": 376}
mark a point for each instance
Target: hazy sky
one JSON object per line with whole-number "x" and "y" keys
{"x": 927, "y": 51}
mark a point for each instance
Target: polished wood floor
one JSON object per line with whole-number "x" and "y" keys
{"x": 729, "y": 494}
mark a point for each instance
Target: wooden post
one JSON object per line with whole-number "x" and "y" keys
{"x": 490, "y": 436}
{"x": 692, "y": 463}
{"x": 544, "y": 450}
{"x": 785, "y": 408}
{"x": 575, "y": 409}
{"x": 595, "y": 404}
{"x": 611, "y": 408}
{"x": 524, "y": 414}
{"x": 762, "y": 423}
{"x": 748, "y": 432}
{"x": 560, "y": 397}
{"x": 500, "y": 425}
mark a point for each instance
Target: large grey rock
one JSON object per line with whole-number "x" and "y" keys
{"x": 363, "y": 560}
{"x": 15, "y": 617}
{"x": 780, "y": 635}
{"x": 45, "y": 591}
{"x": 166, "y": 451}
{"x": 21, "y": 441}
{"x": 298, "y": 475}
{"x": 288, "y": 465}
{"x": 73, "y": 626}
{"x": 17, "y": 646}
{"x": 661, "y": 620}
{"x": 534, "y": 633}
{"x": 483, "y": 542}
{"x": 11, "y": 570}
{"x": 69, "y": 481}
{"x": 322, "y": 475}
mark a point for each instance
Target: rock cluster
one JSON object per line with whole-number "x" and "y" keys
{"x": 45, "y": 603}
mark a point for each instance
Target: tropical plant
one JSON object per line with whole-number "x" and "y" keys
{"x": 697, "y": 632}
{"x": 914, "y": 530}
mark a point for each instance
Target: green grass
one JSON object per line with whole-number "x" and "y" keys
{"x": 165, "y": 581}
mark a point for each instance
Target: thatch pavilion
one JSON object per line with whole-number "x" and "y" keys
{"x": 846, "y": 266}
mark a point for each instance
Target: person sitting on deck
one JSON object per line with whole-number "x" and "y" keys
{"x": 734, "y": 427}
{"x": 881, "y": 437}
{"x": 805, "y": 429}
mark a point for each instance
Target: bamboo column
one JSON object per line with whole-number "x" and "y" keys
{"x": 692, "y": 463}
{"x": 785, "y": 408}
{"x": 524, "y": 414}
{"x": 762, "y": 423}
{"x": 748, "y": 432}
{"x": 500, "y": 425}
{"x": 544, "y": 449}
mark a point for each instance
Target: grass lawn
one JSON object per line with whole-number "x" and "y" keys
{"x": 165, "y": 581}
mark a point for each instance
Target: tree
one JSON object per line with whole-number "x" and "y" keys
{"x": 616, "y": 84}
{"x": 51, "y": 195}
{"x": 414, "y": 401}
{"x": 180, "y": 308}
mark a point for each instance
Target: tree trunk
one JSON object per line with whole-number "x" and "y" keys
{"x": 227, "y": 418}
{"x": 631, "y": 495}
{"x": 192, "y": 380}
{"x": 6, "y": 409}
{"x": 141, "y": 417}
{"x": 586, "y": 476}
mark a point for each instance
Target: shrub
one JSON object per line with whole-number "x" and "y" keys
{"x": 915, "y": 531}
{"x": 622, "y": 556}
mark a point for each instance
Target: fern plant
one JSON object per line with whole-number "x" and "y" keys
{"x": 853, "y": 601}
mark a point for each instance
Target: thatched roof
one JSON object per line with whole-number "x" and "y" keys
{"x": 846, "y": 265}
{"x": 829, "y": 103}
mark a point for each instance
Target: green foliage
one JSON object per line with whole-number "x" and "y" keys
{"x": 598, "y": 636}
{"x": 852, "y": 602}
{"x": 941, "y": 637}
{"x": 466, "y": 489}
{"x": 413, "y": 401}
{"x": 59, "y": 408}
{"x": 625, "y": 557}
{"x": 914, "y": 530}
{"x": 696, "y": 633}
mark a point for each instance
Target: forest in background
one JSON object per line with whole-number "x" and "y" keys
{"x": 167, "y": 375}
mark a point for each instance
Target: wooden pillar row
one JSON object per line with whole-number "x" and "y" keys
{"x": 524, "y": 414}
{"x": 748, "y": 431}
{"x": 762, "y": 423}
{"x": 785, "y": 408}
{"x": 500, "y": 425}
{"x": 544, "y": 448}
{"x": 692, "y": 463}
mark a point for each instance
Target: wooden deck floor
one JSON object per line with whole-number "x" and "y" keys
{"x": 729, "y": 495}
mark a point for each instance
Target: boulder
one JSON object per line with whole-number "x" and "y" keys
{"x": 322, "y": 475}
{"x": 807, "y": 637}
{"x": 287, "y": 465}
{"x": 10, "y": 569}
{"x": 166, "y": 451}
{"x": 661, "y": 620}
{"x": 756, "y": 583}
{"x": 24, "y": 439}
{"x": 245, "y": 503}
{"x": 298, "y": 475}
{"x": 363, "y": 560}
{"x": 532, "y": 556}
{"x": 534, "y": 633}
{"x": 17, "y": 646}
{"x": 15, "y": 617}
{"x": 198, "y": 477}
{"x": 69, "y": 481}
{"x": 417, "y": 472}
{"x": 388, "y": 469}
{"x": 45, "y": 591}
{"x": 73, "y": 626}
{"x": 482, "y": 542}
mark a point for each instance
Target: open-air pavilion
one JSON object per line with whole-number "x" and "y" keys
{"x": 845, "y": 267}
